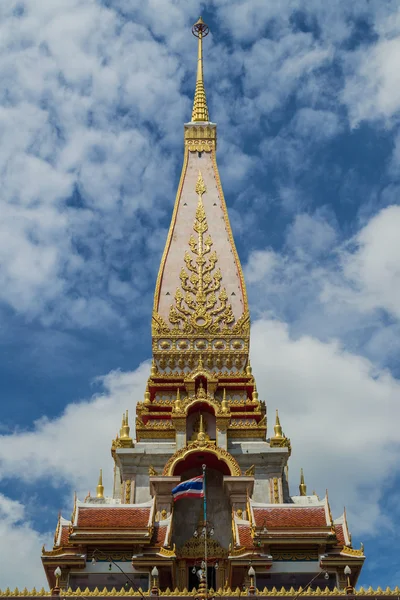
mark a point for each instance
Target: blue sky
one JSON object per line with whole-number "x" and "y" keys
{"x": 93, "y": 98}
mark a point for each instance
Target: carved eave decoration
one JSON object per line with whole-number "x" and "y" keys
{"x": 194, "y": 548}
{"x": 200, "y": 138}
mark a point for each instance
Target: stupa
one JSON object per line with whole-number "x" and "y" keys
{"x": 201, "y": 411}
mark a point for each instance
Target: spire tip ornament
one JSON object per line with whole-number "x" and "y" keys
{"x": 100, "y": 486}
{"x": 200, "y": 108}
{"x": 302, "y": 486}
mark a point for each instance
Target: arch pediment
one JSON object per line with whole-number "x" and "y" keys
{"x": 205, "y": 447}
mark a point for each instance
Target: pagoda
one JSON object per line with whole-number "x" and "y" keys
{"x": 201, "y": 411}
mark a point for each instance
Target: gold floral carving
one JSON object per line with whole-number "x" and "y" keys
{"x": 204, "y": 306}
{"x": 276, "y": 490}
{"x": 295, "y": 555}
{"x": 207, "y": 446}
{"x": 128, "y": 486}
{"x": 194, "y": 548}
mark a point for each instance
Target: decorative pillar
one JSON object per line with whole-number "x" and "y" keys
{"x": 161, "y": 487}
{"x": 182, "y": 575}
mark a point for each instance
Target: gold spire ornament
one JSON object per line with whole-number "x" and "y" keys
{"x": 125, "y": 429}
{"x": 200, "y": 109}
{"x": 100, "y": 486}
{"x": 277, "y": 427}
{"x": 224, "y": 403}
{"x": 302, "y": 486}
{"x": 147, "y": 395}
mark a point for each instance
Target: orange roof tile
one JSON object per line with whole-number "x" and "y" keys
{"x": 244, "y": 537}
{"x": 127, "y": 518}
{"x": 312, "y": 516}
{"x": 340, "y": 534}
{"x": 159, "y": 533}
{"x": 64, "y": 535}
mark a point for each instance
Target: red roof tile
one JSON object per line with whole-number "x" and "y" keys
{"x": 340, "y": 534}
{"x": 159, "y": 534}
{"x": 245, "y": 538}
{"x": 290, "y": 517}
{"x": 127, "y": 518}
{"x": 64, "y": 535}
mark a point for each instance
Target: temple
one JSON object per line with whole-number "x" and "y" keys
{"x": 201, "y": 407}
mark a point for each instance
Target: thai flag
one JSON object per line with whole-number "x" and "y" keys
{"x": 192, "y": 488}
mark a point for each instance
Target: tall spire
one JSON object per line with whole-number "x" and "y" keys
{"x": 200, "y": 109}
{"x": 100, "y": 486}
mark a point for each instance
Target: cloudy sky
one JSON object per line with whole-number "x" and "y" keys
{"x": 93, "y": 97}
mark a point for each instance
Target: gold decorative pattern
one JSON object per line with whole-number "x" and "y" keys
{"x": 128, "y": 486}
{"x": 293, "y": 556}
{"x": 225, "y": 592}
{"x": 250, "y": 471}
{"x": 276, "y": 490}
{"x": 168, "y": 553}
{"x": 204, "y": 307}
{"x": 220, "y": 453}
{"x": 352, "y": 551}
{"x": 194, "y": 548}
{"x": 152, "y": 471}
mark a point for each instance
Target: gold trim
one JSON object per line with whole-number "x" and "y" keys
{"x": 194, "y": 448}
{"x": 351, "y": 551}
{"x": 230, "y": 235}
{"x": 170, "y": 232}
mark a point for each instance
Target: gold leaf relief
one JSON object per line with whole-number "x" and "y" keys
{"x": 200, "y": 303}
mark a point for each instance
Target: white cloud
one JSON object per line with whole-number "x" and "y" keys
{"x": 20, "y": 548}
{"x": 372, "y": 270}
{"x": 372, "y": 87}
{"x": 83, "y": 433}
{"x": 332, "y": 404}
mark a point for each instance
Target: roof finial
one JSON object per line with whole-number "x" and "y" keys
{"x": 200, "y": 109}
{"x": 302, "y": 486}
{"x": 277, "y": 426}
{"x": 100, "y": 486}
{"x": 224, "y": 403}
{"x": 125, "y": 429}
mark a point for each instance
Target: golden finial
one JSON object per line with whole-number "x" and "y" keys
{"x": 302, "y": 486}
{"x": 153, "y": 370}
{"x": 201, "y": 436}
{"x": 255, "y": 394}
{"x": 277, "y": 427}
{"x": 200, "y": 109}
{"x": 178, "y": 404}
{"x": 147, "y": 395}
{"x": 125, "y": 429}
{"x": 224, "y": 403}
{"x": 100, "y": 486}
{"x": 249, "y": 370}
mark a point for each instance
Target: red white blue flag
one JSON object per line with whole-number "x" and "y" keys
{"x": 192, "y": 488}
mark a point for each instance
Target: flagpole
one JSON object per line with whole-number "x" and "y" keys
{"x": 205, "y": 526}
